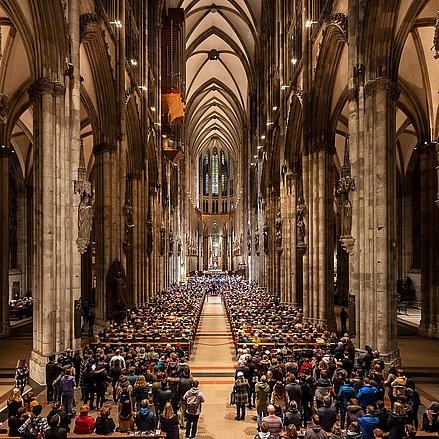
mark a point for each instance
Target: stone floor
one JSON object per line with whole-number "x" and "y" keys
{"x": 213, "y": 363}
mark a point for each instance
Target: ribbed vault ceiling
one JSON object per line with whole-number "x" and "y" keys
{"x": 220, "y": 43}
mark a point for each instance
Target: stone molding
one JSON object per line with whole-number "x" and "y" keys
{"x": 377, "y": 85}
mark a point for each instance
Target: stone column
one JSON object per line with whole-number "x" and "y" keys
{"x": 429, "y": 243}
{"x": 22, "y": 237}
{"x": 4, "y": 241}
{"x": 56, "y": 261}
{"x": 103, "y": 220}
{"x": 318, "y": 270}
{"x": 373, "y": 263}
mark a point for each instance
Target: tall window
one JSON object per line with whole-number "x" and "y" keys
{"x": 215, "y": 172}
{"x": 232, "y": 175}
{"x": 206, "y": 175}
{"x": 223, "y": 174}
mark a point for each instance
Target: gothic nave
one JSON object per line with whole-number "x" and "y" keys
{"x": 291, "y": 142}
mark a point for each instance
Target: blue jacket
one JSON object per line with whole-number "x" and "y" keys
{"x": 345, "y": 393}
{"x": 368, "y": 423}
{"x": 367, "y": 395}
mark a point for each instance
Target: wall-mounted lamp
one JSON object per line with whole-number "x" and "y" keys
{"x": 255, "y": 156}
{"x": 294, "y": 61}
{"x": 284, "y": 87}
{"x": 158, "y": 124}
{"x": 143, "y": 87}
{"x": 152, "y": 109}
{"x": 69, "y": 70}
{"x": 263, "y": 137}
{"x": 269, "y": 123}
{"x": 133, "y": 62}
{"x": 259, "y": 147}
{"x": 309, "y": 23}
{"x": 117, "y": 23}
{"x": 275, "y": 108}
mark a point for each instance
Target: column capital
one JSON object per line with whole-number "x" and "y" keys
{"x": 382, "y": 84}
{"x": 100, "y": 148}
{"x": 45, "y": 86}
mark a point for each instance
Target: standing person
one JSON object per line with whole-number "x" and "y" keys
{"x": 262, "y": 391}
{"x": 343, "y": 320}
{"x": 51, "y": 375}
{"x": 264, "y": 433}
{"x": 430, "y": 418}
{"x": 194, "y": 398}
{"x": 169, "y": 422}
{"x": 21, "y": 375}
{"x": 368, "y": 422}
{"x": 241, "y": 388}
{"x": 315, "y": 431}
{"x": 14, "y": 402}
{"x": 164, "y": 395}
{"x": 185, "y": 385}
{"x": 274, "y": 422}
{"x": 397, "y": 421}
{"x": 146, "y": 420}
{"x": 67, "y": 386}
{"x": 345, "y": 394}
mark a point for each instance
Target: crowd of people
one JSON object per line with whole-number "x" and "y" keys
{"x": 300, "y": 378}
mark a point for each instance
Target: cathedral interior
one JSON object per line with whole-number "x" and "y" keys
{"x": 293, "y": 143}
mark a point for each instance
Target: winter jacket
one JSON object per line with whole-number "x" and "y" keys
{"x": 315, "y": 432}
{"x": 104, "y": 425}
{"x": 84, "y": 425}
{"x": 241, "y": 389}
{"x": 262, "y": 391}
{"x": 345, "y": 393}
{"x": 328, "y": 416}
{"x": 170, "y": 427}
{"x": 367, "y": 395}
{"x": 353, "y": 412}
{"x": 368, "y": 423}
{"x": 292, "y": 417}
{"x": 145, "y": 419}
{"x": 396, "y": 425}
{"x": 163, "y": 396}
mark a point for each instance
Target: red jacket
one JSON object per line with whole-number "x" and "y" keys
{"x": 84, "y": 425}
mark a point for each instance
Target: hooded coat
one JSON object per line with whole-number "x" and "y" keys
{"x": 315, "y": 432}
{"x": 145, "y": 419}
{"x": 262, "y": 392}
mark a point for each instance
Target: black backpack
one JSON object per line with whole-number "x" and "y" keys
{"x": 125, "y": 404}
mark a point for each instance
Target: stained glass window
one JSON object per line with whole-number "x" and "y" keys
{"x": 215, "y": 172}
{"x": 206, "y": 175}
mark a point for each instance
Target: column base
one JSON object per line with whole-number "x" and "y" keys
{"x": 429, "y": 329}
{"x": 37, "y": 366}
{"x": 391, "y": 358}
{"x": 5, "y": 330}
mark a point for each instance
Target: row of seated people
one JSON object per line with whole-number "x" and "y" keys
{"x": 170, "y": 317}
{"x": 20, "y": 308}
{"x": 257, "y": 317}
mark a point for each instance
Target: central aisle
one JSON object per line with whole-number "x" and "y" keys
{"x": 213, "y": 365}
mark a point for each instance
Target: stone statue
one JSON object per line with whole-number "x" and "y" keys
{"x": 171, "y": 242}
{"x": 149, "y": 239}
{"x": 300, "y": 233}
{"x": 116, "y": 291}
{"x": 278, "y": 227}
{"x": 178, "y": 247}
{"x": 129, "y": 226}
{"x": 249, "y": 242}
{"x": 257, "y": 243}
{"x": 346, "y": 218}
{"x": 265, "y": 235}
{"x": 85, "y": 220}
{"x": 162, "y": 240}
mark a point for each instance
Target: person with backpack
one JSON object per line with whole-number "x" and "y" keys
{"x": 124, "y": 390}
{"x": 194, "y": 398}
{"x": 34, "y": 426}
{"x": 146, "y": 420}
{"x": 67, "y": 387}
